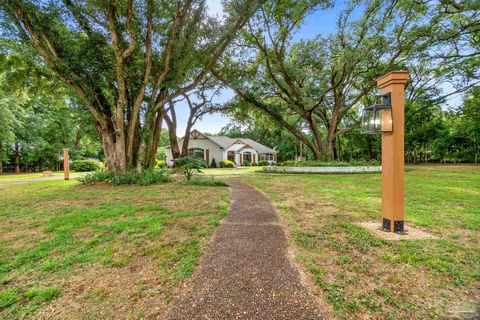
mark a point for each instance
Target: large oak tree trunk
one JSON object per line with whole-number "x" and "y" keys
{"x": 151, "y": 142}
{"x": 186, "y": 139}
{"x": 114, "y": 148}
{"x": 317, "y": 148}
{"x": 172, "y": 134}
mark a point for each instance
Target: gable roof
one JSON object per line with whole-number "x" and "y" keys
{"x": 222, "y": 141}
{"x": 225, "y": 142}
{"x": 260, "y": 148}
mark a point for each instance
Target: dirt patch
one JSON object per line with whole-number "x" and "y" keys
{"x": 410, "y": 233}
{"x": 111, "y": 293}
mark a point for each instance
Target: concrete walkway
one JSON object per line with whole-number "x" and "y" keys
{"x": 245, "y": 272}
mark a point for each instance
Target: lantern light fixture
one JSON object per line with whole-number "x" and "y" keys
{"x": 378, "y": 118}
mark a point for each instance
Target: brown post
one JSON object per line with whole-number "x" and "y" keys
{"x": 66, "y": 165}
{"x": 393, "y": 154}
{"x": 17, "y": 159}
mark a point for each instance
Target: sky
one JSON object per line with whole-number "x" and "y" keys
{"x": 320, "y": 22}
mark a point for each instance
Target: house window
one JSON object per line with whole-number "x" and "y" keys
{"x": 266, "y": 156}
{"x": 231, "y": 156}
{"x": 196, "y": 152}
{"x": 247, "y": 156}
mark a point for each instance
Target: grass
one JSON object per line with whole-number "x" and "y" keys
{"x": 26, "y": 176}
{"x": 207, "y": 182}
{"x": 357, "y": 275}
{"x": 231, "y": 171}
{"x": 86, "y": 250}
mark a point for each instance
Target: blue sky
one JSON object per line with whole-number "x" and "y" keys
{"x": 320, "y": 22}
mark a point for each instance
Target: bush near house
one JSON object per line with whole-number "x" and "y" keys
{"x": 226, "y": 164}
{"x": 143, "y": 178}
{"x": 160, "y": 164}
{"x": 263, "y": 163}
{"x": 246, "y": 163}
{"x": 85, "y": 165}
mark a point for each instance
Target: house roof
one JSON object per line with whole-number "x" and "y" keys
{"x": 226, "y": 142}
{"x": 222, "y": 141}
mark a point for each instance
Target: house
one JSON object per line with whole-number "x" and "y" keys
{"x": 221, "y": 148}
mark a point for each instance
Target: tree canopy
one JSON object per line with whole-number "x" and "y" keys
{"x": 88, "y": 74}
{"x": 125, "y": 59}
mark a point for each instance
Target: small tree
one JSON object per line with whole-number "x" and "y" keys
{"x": 190, "y": 165}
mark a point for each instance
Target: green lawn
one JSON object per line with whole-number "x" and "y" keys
{"x": 110, "y": 250}
{"x": 231, "y": 171}
{"x": 27, "y": 176}
{"x": 71, "y": 251}
{"x": 24, "y": 176}
{"x": 359, "y": 276}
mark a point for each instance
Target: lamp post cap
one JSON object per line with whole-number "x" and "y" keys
{"x": 393, "y": 77}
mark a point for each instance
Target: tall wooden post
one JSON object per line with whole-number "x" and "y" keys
{"x": 66, "y": 165}
{"x": 393, "y": 154}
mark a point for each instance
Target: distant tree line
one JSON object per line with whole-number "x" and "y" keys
{"x": 432, "y": 135}
{"x": 38, "y": 118}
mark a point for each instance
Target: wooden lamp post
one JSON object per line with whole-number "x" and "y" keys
{"x": 387, "y": 118}
{"x": 66, "y": 164}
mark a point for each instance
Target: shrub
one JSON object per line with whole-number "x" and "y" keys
{"x": 207, "y": 183}
{"x": 159, "y": 164}
{"x": 190, "y": 165}
{"x": 213, "y": 164}
{"x": 246, "y": 163}
{"x": 85, "y": 165}
{"x": 263, "y": 163}
{"x": 226, "y": 164}
{"x": 143, "y": 178}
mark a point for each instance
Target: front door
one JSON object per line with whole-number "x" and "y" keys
{"x": 231, "y": 156}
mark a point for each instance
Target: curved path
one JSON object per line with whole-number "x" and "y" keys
{"x": 245, "y": 272}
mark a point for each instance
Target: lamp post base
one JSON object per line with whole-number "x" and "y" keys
{"x": 397, "y": 225}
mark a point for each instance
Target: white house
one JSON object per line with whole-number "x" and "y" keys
{"x": 224, "y": 148}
